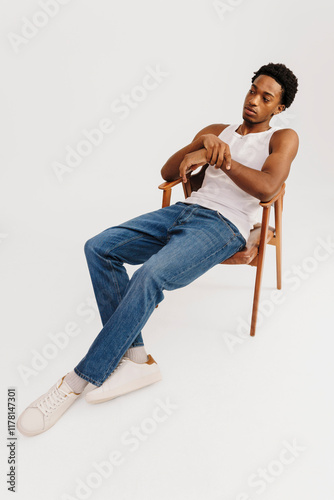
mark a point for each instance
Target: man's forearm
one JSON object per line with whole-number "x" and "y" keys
{"x": 170, "y": 170}
{"x": 255, "y": 182}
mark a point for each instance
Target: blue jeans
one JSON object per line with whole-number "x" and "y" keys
{"x": 175, "y": 245}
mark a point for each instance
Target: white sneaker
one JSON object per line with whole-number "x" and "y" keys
{"x": 128, "y": 376}
{"x": 46, "y": 410}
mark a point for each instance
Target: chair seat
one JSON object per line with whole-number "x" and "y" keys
{"x": 249, "y": 253}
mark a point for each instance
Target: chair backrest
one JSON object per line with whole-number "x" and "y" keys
{"x": 194, "y": 181}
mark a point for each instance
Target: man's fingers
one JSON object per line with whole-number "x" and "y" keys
{"x": 220, "y": 158}
{"x": 225, "y": 159}
{"x": 228, "y": 159}
{"x": 215, "y": 156}
{"x": 211, "y": 155}
{"x": 212, "y": 152}
{"x": 190, "y": 168}
{"x": 182, "y": 171}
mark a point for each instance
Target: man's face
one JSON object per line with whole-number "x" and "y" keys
{"x": 263, "y": 100}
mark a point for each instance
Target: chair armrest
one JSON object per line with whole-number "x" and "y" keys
{"x": 167, "y": 190}
{"x": 274, "y": 198}
{"x": 169, "y": 184}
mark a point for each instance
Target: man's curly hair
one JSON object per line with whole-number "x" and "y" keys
{"x": 284, "y": 77}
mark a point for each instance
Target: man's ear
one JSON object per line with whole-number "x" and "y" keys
{"x": 279, "y": 109}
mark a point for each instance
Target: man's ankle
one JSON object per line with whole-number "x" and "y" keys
{"x": 137, "y": 354}
{"x": 76, "y": 383}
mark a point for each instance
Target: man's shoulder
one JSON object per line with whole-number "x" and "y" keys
{"x": 284, "y": 134}
{"x": 284, "y": 137}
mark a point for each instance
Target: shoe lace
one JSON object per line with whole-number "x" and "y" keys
{"x": 52, "y": 401}
{"x": 125, "y": 358}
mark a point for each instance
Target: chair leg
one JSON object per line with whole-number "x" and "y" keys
{"x": 166, "y": 196}
{"x": 278, "y": 238}
{"x": 259, "y": 267}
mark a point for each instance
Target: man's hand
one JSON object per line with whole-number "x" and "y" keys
{"x": 217, "y": 151}
{"x": 191, "y": 161}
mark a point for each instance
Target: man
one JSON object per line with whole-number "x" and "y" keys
{"x": 176, "y": 244}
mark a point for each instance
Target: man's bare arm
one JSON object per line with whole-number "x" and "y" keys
{"x": 170, "y": 170}
{"x": 264, "y": 184}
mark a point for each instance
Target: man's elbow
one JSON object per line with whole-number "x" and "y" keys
{"x": 167, "y": 176}
{"x": 164, "y": 174}
{"x": 267, "y": 193}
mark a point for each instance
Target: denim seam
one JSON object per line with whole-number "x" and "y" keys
{"x": 113, "y": 275}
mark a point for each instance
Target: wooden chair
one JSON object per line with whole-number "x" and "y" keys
{"x": 260, "y": 236}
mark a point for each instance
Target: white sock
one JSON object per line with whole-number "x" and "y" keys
{"x": 137, "y": 354}
{"x": 76, "y": 383}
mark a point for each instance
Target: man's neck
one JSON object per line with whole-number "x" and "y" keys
{"x": 253, "y": 128}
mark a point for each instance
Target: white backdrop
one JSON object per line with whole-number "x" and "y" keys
{"x": 247, "y": 418}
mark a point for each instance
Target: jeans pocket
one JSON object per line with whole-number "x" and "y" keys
{"x": 228, "y": 223}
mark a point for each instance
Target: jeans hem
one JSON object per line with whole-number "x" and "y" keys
{"x": 88, "y": 379}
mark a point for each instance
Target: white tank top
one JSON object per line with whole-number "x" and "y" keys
{"x": 220, "y": 193}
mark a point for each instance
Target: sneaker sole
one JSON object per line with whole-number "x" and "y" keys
{"x": 125, "y": 389}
